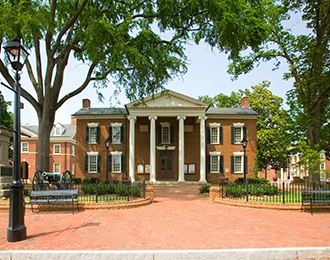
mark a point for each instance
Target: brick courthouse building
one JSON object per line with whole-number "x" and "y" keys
{"x": 171, "y": 137}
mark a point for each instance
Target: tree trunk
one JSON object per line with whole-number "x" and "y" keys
{"x": 45, "y": 126}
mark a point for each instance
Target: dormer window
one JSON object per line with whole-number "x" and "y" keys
{"x": 58, "y": 129}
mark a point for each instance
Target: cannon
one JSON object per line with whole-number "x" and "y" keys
{"x": 50, "y": 181}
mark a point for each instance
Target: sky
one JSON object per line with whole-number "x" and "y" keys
{"x": 207, "y": 75}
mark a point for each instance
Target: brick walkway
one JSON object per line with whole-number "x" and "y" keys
{"x": 180, "y": 218}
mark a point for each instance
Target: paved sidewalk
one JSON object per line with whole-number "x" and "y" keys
{"x": 180, "y": 219}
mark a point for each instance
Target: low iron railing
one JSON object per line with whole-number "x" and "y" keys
{"x": 101, "y": 192}
{"x": 278, "y": 192}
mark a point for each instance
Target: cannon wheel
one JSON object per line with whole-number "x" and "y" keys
{"x": 66, "y": 180}
{"x": 38, "y": 182}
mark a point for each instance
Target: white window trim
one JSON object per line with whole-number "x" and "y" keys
{"x": 116, "y": 124}
{"x": 92, "y": 154}
{"x": 116, "y": 153}
{"x": 166, "y": 124}
{"x": 214, "y": 154}
{"x": 27, "y": 147}
{"x": 59, "y": 167}
{"x": 239, "y": 154}
{"x": 215, "y": 125}
{"x": 238, "y": 124}
{"x": 92, "y": 124}
{"x": 55, "y": 149}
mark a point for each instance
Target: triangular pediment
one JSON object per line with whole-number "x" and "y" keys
{"x": 168, "y": 99}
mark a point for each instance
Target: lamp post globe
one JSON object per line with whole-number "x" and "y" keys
{"x": 16, "y": 231}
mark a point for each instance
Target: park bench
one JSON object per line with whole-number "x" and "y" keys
{"x": 47, "y": 197}
{"x": 312, "y": 197}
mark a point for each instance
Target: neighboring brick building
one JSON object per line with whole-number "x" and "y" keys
{"x": 169, "y": 137}
{"x": 62, "y": 149}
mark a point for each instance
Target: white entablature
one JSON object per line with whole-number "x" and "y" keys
{"x": 169, "y": 103}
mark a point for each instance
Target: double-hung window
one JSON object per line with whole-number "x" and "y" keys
{"x": 237, "y": 162}
{"x": 165, "y": 133}
{"x": 216, "y": 162}
{"x": 215, "y": 133}
{"x": 92, "y": 162}
{"x": 24, "y": 147}
{"x": 238, "y": 131}
{"x": 57, "y": 149}
{"x": 92, "y": 133}
{"x": 56, "y": 168}
{"x": 116, "y": 133}
{"x": 116, "y": 162}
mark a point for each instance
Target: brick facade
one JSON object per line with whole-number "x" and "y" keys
{"x": 64, "y": 157}
{"x": 167, "y": 111}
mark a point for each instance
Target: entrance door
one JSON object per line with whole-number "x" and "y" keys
{"x": 165, "y": 166}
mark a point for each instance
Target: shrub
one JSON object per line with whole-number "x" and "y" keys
{"x": 205, "y": 188}
{"x": 76, "y": 180}
{"x": 86, "y": 181}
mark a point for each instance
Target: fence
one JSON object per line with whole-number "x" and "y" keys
{"x": 278, "y": 192}
{"x": 100, "y": 192}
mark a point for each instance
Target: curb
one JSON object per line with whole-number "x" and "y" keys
{"x": 228, "y": 254}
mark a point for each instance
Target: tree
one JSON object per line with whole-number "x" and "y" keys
{"x": 273, "y": 127}
{"x": 273, "y": 123}
{"x": 139, "y": 45}
{"x": 221, "y": 100}
{"x": 307, "y": 53}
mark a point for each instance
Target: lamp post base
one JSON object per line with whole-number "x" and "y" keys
{"x": 16, "y": 230}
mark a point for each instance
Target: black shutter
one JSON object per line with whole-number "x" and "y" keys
{"x": 220, "y": 135}
{"x": 87, "y": 135}
{"x": 208, "y": 163}
{"x": 122, "y": 134}
{"x": 232, "y": 164}
{"x": 232, "y": 135}
{"x": 110, "y": 163}
{"x": 110, "y": 134}
{"x": 244, "y": 132}
{"x": 172, "y": 134}
{"x": 221, "y": 164}
{"x": 86, "y": 163}
{"x": 99, "y": 164}
{"x": 208, "y": 135}
{"x": 98, "y": 135}
{"x": 123, "y": 168}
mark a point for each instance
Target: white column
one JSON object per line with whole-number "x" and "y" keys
{"x": 131, "y": 147}
{"x": 152, "y": 148}
{"x": 181, "y": 147}
{"x": 202, "y": 149}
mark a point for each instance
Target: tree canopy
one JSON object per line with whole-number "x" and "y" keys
{"x": 273, "y": 123}
{"x": 305, "y": 47}
{"x": 138, "y": 45}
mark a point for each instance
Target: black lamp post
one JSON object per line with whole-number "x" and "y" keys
{"x": 107, "y": 145}
{"x": 16, "y": 231}
{"x": 244, "y": 144}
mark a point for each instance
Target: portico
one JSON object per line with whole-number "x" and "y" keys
{"x": 167, "y": 137}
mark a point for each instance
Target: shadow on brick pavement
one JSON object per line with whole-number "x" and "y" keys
{"x": 180, "y": 219}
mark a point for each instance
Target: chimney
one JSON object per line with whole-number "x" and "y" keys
{"x": 245, "y": 102}
{"x": 86, "y": 103}
{"x": 73, "y": 121}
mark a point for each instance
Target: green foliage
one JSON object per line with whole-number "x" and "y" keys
{"x": 235, "y": 190}
{"x": 299, "y": 35}
{"x": 273, "y": 122}
{"x": 104, "y": 189}
{"x": 76, "y": 180}
{"x": 205, "y": 188}
{"x": 136, "y": 45}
